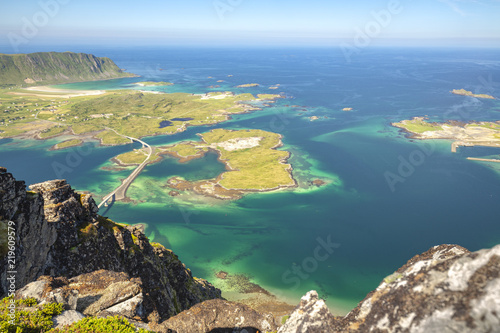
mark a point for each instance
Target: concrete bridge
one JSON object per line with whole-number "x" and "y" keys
{"x": 120, "y": 192}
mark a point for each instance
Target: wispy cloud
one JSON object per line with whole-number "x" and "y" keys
{"x": 454, "y": 6}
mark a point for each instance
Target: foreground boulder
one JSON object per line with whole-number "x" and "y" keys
{"x": 310, "y": 316}
{"x": 59, "y": 234}
{"x": 101, "y": 293}
{"x": 218, "y": 316}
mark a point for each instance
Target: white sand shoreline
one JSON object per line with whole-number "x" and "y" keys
{"x": 60, "y": 92}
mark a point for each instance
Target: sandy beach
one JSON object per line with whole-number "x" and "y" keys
{"x": 47, "y": 91}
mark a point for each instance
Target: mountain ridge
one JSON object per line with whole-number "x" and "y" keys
{"x": 41, "y": 68}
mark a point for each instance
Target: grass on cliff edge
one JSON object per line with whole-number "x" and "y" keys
{"x": 30, "y": 317}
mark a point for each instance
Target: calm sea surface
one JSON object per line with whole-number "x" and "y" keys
{"x": 341, "y": 239}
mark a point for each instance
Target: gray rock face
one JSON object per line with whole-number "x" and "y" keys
{"x": 310, "y": 316}
{"x": 60, "y": 234}
{"x": 49, "y": 290}
{"x": 218, "y": 316}
{"x": 446, "y": 289}
{"x": 34, "y": 235}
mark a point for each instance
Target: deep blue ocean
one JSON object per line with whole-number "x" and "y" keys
{"x": 388, "y": 198}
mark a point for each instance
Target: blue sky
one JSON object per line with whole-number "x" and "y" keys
{"x": 240, "y": 22}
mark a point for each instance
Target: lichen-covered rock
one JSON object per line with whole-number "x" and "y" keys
{"x": 310, "y": 316}
{"x": 49, "y": 290}
{"x": 446, "y": 289}
{"x": 116, "y": 294}
{"x": 60, "y": 234}
{"x": 218, "y": 316}
{"x": 68, "y": 317}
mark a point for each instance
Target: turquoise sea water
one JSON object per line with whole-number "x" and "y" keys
{"x": 373, "y": 228}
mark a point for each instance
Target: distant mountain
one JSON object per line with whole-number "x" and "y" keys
{"x": 56, "y": 67}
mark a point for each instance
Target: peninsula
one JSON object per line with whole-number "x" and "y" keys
{"x": 470, "y": 134}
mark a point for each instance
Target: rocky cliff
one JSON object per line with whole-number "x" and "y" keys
{"x": 446, "y": 289}
{"x": 55, "y": 67}
{"x": 59, "y": 234}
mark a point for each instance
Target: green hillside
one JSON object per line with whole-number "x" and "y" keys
{"x": 55, "y": 67}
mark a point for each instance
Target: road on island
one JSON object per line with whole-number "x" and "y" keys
{"x": 120, "y": 191}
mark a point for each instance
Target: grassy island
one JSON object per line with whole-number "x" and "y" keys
{"x": 464, "y": 92}
{"x": 248, "y": 85}
{"x": 135, "y": 157}
{"x": 250, "y": 156}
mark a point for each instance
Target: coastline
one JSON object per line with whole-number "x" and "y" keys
{"x": 56, "y": 146}
{"x": 63, "y": 93}
{"x": 68, "y": 93}
{"x": 240, "y": 288}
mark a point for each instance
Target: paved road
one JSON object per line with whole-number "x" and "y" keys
{"x": 120, "y": 192}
